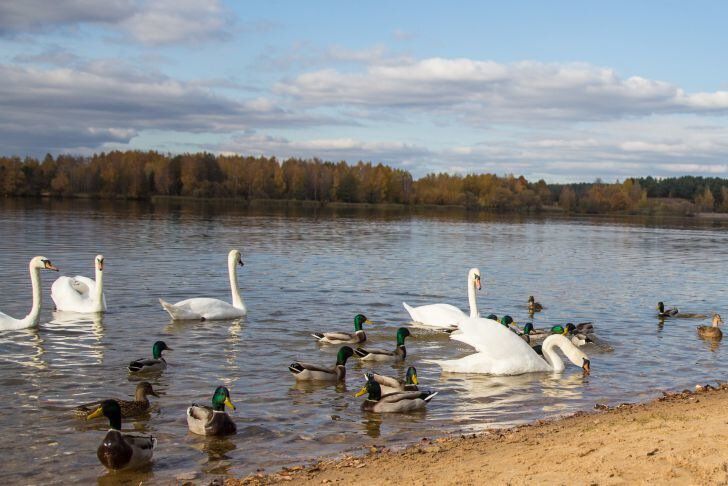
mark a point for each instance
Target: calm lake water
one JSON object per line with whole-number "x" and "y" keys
{"x": 311, "y": 271}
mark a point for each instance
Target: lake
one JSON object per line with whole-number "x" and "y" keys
{"x": 308, "y": 271}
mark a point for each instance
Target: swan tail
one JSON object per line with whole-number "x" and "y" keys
{"x": 176, "y": 313}
{"x": 410, "y": 310}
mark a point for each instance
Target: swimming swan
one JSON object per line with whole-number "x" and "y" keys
{"x": 81, "y": 294}
{"x": 502, "y": 352}
{"x": 8, "y": 323}
{"x": 202, "y": 308}
{"x": 446, "y": 315}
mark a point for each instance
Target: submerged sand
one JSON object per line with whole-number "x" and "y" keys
{"x": 679, "y": 438}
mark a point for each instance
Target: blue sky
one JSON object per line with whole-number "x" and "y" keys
{"x": 565, "y": 91}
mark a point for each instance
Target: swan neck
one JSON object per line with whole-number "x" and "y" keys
{"x": 99, "y": 298}
{"x": 551, "y": 357}
{"x": 234, "y": 289}
{"x": 471, "y": 297}
{"x": 32, "y": 318}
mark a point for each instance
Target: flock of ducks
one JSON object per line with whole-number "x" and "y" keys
{"x": 502, "y": 348}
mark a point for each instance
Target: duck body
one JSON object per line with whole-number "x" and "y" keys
{"x": 662, "y": 311}
{"x": 383, "y": 355}
{"x": 204, "y": 308}
{"x": 204, "y": 420}
{"x": 446, "y": 316}
{"x": 129, "y": 408}
{"x": 154, "y": 364}
{"x": 712, "y": 332}
{"x": 118, "y": 450}
{"x": 534, "y": 306}
{"x": 356, "y": 337}
{"x": 396, "y": 402}
{"x": 311, "y": 372}
{"x": 81, "y": 294}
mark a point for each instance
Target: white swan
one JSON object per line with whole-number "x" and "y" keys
{"x": 446, "y": 315}
{"x": 81, "y": 294}
{"x": 202, "y": 308}
{"x": 8, "y": 323}
{"x": 502, "y": 352}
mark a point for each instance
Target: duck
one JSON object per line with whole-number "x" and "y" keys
{"x": 397, "y": 402}
{"x": 35, "y": 265}
{"x": 129, "y": 408}
{"x": 712, "y": 332}
{"x": 156, "y": 363}
{"x": 207, "y": 309}
{"x": 662, "y": 312}
{"x": 355, "y": 337}
{"x": 311, "y": 372}
{"x": 446, "y": 316}
{"x": 203, "y": 420}
{"x": 534, "y": 306}
{"x": 398, "y": 354}
{"x": 391, "y": 385}
{"x": 501, "y": 352}
{"x": 580, "y": 334}
{"x": 118, "y": 450}
{"x": 81, "y": 294}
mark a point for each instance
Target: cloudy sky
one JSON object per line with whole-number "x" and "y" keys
{"x": 565, "y": 91}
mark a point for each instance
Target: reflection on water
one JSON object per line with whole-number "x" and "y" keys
{"x": 311, "y": 271}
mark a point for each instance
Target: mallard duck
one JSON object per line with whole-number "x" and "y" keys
{"x": 581, "y": 333}
{"x": 391, "y": 385}
{"x": 213, "y": 420}
{"x": 506, "y": 321}
{"x": 117, "y": 450}
{"x": 534, "y": 306}
{"x": 492, "y": 317}
{"x": 662, "y": 312}
{"x": 129, "y": 408}
{"x": 399, "y": 353}
{"x": 156, "y": 363}
{"x": 401, "y": 401}
{"x": 355, "y": 337}
{"x": 712, "y": 332}
{"x": 312, "y": 372}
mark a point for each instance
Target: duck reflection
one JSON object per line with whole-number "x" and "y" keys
{"x": 372, "y": 424}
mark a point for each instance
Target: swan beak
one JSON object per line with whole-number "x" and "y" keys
{"x": 49, "y": 266}
{"x": 101, "y": 266}
{"x": 477, "y": 283}
{"x": 586, "y": 366}
{"x": 96, "y": 413}
{"x": 229, "y": 403}
{"x": 361, "y": 392}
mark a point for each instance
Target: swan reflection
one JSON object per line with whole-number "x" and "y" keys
{"x": 23, "y": 347}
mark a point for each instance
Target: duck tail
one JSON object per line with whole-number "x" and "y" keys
{"x": 134, "y": 366}
{"x": 318, "y": 335}
{"x": 430, "y": 396}
{"x": 295, "y": 368}
{"x": 361, "y": 352}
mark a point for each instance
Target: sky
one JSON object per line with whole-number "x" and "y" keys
{"x": 565, "y": 91}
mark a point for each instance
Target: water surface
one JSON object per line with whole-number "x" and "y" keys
{"x": 311, "y": 271}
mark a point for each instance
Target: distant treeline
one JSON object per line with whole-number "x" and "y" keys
{"x": 141, "y": 175}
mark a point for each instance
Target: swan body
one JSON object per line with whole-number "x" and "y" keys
{"x": 502, "y": 352}
{"x": 397, "y": 402}
{"x": 398, "y": 354}
{"x": 311, "y": 372}
{"x": 118, "y": 450}
{"x": 446, "y": 316}
{"x": 81, "y": 294}
{"x": 355, "y": 337}
{"x": 203, "y": 420}
{"x": 8, "y": 323}
{"x": 202, "y": 308}
{"x": 129, "y": 408}
{"x": 155, "y": 363}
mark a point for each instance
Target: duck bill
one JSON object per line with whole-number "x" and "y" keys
{"x": 369, "y": 322}
{"x": 361, "y": 392}
{"x": 95, "y": 414}
{"x": 229, "y": 404}
{"x": 586, "y": 367}
{"x": 414, "y": 380}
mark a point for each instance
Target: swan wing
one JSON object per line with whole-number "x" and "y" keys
{"x": 202, "y": 308}
{"x": 8, "y": 323}
{"x": 436, "y": 315}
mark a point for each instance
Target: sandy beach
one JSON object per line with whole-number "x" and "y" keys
{"x": 676, "y": 439}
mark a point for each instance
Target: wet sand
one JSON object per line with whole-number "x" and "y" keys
{"x": 679, "y": 438}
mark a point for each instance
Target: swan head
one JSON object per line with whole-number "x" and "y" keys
{"x": 371, "y": 387}
{"x": 411, "y": 376}
{"x": 359, "y": 320}
{"x": 221, "y": 398}
{"x": 158, "y": 347}
{"x": 345, "y": 352}
{"x": 42, "y": 263}
{"x": 402, "y": 333}
{"x": 235, "y": 258}
{"x": 474, "y": 277}
{"x": 99, "y": 262}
